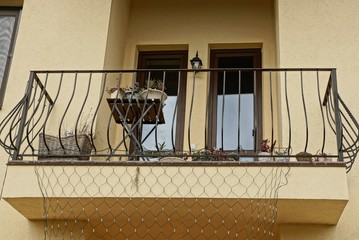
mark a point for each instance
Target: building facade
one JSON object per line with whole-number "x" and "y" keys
{"x": 308, "y": 43}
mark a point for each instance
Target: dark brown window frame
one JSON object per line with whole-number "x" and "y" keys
{"x": 143, "y": 56}
{"x": 256, "y": 53}
{"x": 15, "y": 12}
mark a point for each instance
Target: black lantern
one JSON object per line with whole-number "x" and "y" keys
{"x": 196, "y": 62}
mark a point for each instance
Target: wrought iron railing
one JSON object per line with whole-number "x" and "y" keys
{"x": 70, "y": 115}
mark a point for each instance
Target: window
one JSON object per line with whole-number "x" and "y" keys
{"x": 8, "y": 24}
{"x": 235, "y": 101}
{"x": 175, "y": 88}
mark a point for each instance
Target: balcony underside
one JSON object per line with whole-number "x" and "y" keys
{"x": 309, "y": 197}
{"x": 293, "y": 211}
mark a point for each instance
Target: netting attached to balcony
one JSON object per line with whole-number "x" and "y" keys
{"x": 160, "y": 202}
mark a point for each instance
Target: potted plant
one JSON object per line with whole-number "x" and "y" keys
{"x": 322, "y": 157}
{"x": 214, "y": 155}
{"x": 126, "y": 92}
{"x": 266, "y": 151}
{"x": 69, "y": 146}
{"x": 304, "y": 157}
{"x": 282, "y": 154}
{"x": 154, "y": 90}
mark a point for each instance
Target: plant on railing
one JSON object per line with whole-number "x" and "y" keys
{"x": 214, "y": 155}
{"x": 69, "y": 145}
{"x": 322, "y": 157}
{"x": 153, "y": 89}
{"x": 266, "y": 151}
{"x": 304, "y": 157}
{"x": 125, "y": 92}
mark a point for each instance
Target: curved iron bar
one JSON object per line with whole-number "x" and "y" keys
{"x": 110, "y": 116}
{"x": 33, "y": 116}
{"x": 28, "y": 131}
{"x": 190, "y": 113}
{"x": 80, "y": 114}
{"x": 159, "y": 111}
{"x": 42, "y": 128}
{"x": 14, "y": 124}
{"x": 354, "y": 121}
{"x": 12, "y": 114}
{"x": 104, "y": 80}
{"x": 322, "y": 114}
{"x": 52, "y": 107}
{"x": 350, "y": 135}
{"x": 175, "y": 113}
{"x": 66, "y": 110}
{"x": 305, "y": 112}
{"x": 288, "y": 112}
{"x": 330, "y": 118}
{"x": 16, "y": 121}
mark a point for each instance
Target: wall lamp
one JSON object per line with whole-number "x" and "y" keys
{"x": 196, "y": 62}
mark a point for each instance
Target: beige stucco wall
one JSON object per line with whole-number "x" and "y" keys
{"x": 75, "y": 35}
{"x": 54, "y": 35}
{"x": 324, "y": 34}
{"x": 201, "y": 26}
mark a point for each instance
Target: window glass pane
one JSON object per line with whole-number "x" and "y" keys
{"x": 230, "y": 123}
{"x": 6, "y": 30}
{"x": 164, "y": 131}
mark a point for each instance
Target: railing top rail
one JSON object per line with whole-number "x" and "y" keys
{"x": 188, "y": 70}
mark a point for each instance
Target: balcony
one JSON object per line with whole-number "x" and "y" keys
{"x": 243, "y": 148}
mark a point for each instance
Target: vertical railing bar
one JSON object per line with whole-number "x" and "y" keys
{"x": 321, "y": 111}
{"x": 80, "y": 113}
{"x": 288, "y": 113}
{"x": 348, "y": 123}
{"x": 28, "y": 130}
{"x": 255, "y": 110}
{"x": 305, "y": 111}
{"x": 329, "y": 113}
{"x": 43, "y": 91}
{"x": 338, "y": 122}
{"x": 190, "y": 113}
{"x": 175, "y": 112}
{"x": 16, "y": 121}
{"x": 12, "y": 115}
{"x": 23, "y": 116}
{"x": 112, "y": 111}
{"x": 13, "y": 126}
{"x": 348, "y": 133}
{"x": 271, "y": 110}
{"x": 65, "y": 112}
{"x": 143, "y": 112}
{"x": 223, "y": 104}
{"x": 48, "y": 115}
{"x": 104, "y": 78}
{"x": 159, "y": 110}
{"x": 239, "y": 112}
{"x": 208, "y": 100}
{"x": 110, "y": 116}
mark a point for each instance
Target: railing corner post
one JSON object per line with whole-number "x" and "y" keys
{"x": 23, "y": 116}
{"x": 338, "y": 122}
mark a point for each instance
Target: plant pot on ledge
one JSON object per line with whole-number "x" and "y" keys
{"x": 153, "y": 94}
{"x": 70, "y": 150}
